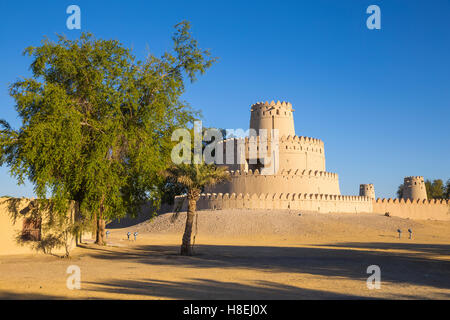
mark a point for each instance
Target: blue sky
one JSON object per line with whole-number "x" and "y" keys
{"x": 379, "y": 99}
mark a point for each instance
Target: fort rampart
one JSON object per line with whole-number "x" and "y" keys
{"x": 420, "y": 209}
{"x": 286, "y": 181}
{"x": 293, "y": 201}
{"x": 295, "y": 175}
{"x": 416, "y": 210}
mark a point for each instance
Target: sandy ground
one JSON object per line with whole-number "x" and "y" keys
{"x": 247, "y": 255}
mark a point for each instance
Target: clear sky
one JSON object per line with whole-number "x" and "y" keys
{"x": 379, "y": 99}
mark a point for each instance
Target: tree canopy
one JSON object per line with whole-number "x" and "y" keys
{"x": 400, "y": 191}
{"x": 436, "y": 189}
{"x": 97, "y": 122}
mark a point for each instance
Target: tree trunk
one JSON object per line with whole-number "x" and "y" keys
{"x": 186, "y": 249}
{"x": 79, "y": 238}
{"x": 100, "y": 234}
{"x": 101, "y": 226}
{"x": 78, "y": 217}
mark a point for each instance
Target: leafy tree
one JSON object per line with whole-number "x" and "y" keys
{"x": 400, "y": 191}
{"x": 194, "y": 178}
{"x": 169, "y": 188}
{"x": 435, "y": 189}
{"x": 97, "y": 123}
{"x": 447, "y": 190}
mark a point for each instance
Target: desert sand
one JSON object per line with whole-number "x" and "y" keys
{"x": 243, "y": 254}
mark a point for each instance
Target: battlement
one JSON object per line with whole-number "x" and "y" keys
{"x": 293, "y": 150}
{"x": 301, "y": 140}
{"x": 285, "y": 140}
{"x": 274, "y": 115}
{"x": 295, "y": 201}
{"x": 419, "y": 209}
{"x": 291, "y": 172}
{"x": 283, "y": 196}
{"x": 414, "y": 178}
{"x": 272, "y": 104}
{"x": 283, "y": 181}
{"x": 413, "y": 201}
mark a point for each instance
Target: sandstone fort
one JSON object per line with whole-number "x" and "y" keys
{"x": 284, "y": 171}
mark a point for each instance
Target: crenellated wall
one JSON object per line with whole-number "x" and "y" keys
{"x": 286, "y": 181}
{"x": 295, "y": 152}
{"x": 325, "y": 203}
{"x": 301, "y": 181}
{"x": 294, "y": 201}
{"x": 419, "y": 209}
{"x": 302, "y": 153}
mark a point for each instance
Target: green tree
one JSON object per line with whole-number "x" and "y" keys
{"x": 435, "y": 189}
{"x": 447, "y": 190}
{"x": 194, "y": 178}
{"x": 97, "y": 123}
{"x": 168, "y": 187}
{"x": 400, "y": 191}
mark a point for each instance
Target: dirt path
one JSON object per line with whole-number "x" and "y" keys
{"x": 248, "y": 255}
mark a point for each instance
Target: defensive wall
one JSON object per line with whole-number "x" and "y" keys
{"x": 419, "y": 209}
{"x": 301, "y": 182}
{"x": 285, "y": 181}
{"x": 293, "y": 201}
{"x": 416, "y": 209}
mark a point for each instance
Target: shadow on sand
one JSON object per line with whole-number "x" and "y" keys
{"x": 212, "y": 289}
{"x": 417, "y": 266}
{"x": 4, "y": 295}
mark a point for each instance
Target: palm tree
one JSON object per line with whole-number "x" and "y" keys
{"x": 194, "y": 177}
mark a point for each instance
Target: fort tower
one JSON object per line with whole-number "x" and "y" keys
{"x": 265, "y": 115}
{"x": 367, "y": 190}
{"x": 414, "y": 188}
{"x": 300, "y": 160}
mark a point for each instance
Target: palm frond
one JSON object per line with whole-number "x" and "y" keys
{"x": 197, "y": 176}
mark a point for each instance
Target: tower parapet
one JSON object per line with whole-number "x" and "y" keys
{"x": 367, "y": 190}
{"x": 273, "y": 115}
{"x": 414, "y": 188}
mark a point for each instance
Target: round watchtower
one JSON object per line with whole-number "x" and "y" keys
{"x": 367, "y": 190}
{"x": 265, "y": 115}
{"x": 264, "y": 165}
{"x": 414, "y": 188}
